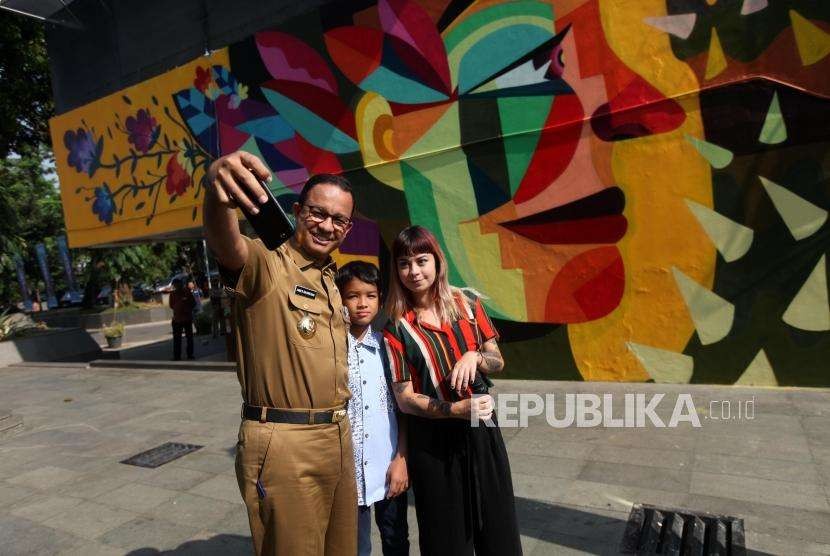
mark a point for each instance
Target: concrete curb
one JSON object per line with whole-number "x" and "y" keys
{"x": 62, "y": 343}
{"x": 197, "y": 365}
{"x": 95, "y": 321}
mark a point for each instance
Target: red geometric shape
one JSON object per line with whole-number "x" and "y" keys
{"x": 603, "y": 229}
{"x": 588, "y": 287}
{"x": 399, "y": 54}
{"x": 230, "y": 138}
{"x": 320, "y": 102}
{"x": 557, "y": 145}
{"x": 356, "y": 51}
{"x": 638, "y": 111}
{"x": 410, "y": 23}
{"x": 289, "y": 59}
{"x": 317, "y": 160}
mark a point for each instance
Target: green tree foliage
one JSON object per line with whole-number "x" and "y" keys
{"x": 25, "y": 91}
{"x": 30, "y": 212}
{"x": 30, "y": 205}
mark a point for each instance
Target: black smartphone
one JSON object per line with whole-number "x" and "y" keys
{"x": 271, "y": 223}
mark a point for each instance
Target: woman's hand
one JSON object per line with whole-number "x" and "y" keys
{"x": 479, "y": 407}
{"x": 464, "y": 372}
{"x": 397, "y": 477}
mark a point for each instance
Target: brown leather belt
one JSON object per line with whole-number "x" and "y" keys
{"x": 296, "y": 417}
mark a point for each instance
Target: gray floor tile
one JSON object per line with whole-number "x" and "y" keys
{"x": 195, "y": 511}
{"x": 176, "y": 478}
{"x": 751, "y": 489}
{"x": 670, "y": 459}
{"x": 148, "y": 533}
{"x": 639, "y": 476}
{"x": 136, "y": 497}
{"x": 774, "y": 469}
{"x": 222, "y": 487}
{"x": 89, "y": 520}
{"x": 46, "y": 477}
{"x": 42, "y": 508}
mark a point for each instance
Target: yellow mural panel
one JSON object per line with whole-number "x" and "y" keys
{"x": 129, "y": 164}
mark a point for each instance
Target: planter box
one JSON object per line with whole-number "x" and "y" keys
{"x": 61, "y": 344}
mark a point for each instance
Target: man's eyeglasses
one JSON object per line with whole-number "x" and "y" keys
{"x": 318, "y": 216}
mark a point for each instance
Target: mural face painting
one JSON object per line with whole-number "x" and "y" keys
{"x": 639, "y": 188}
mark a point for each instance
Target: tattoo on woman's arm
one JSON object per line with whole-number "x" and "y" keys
{"x": 436, "y": 406}
{"x": 491, "y": 362}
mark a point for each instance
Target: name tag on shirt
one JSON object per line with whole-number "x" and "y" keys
{"x": 305, "y": 292}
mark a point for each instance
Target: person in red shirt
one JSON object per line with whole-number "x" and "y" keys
{"x": 182, "y": 302}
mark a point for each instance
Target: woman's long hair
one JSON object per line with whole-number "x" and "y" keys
{"x": 417, "y": 240}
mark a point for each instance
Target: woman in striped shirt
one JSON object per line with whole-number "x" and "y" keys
{"x": 441, "y": 346}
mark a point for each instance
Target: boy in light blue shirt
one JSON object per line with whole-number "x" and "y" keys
{"x": 378, "y": 430}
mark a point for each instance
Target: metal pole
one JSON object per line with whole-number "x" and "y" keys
{"x": 207, "y": 263}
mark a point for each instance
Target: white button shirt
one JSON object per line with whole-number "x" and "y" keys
{"x": 372, "y": 416}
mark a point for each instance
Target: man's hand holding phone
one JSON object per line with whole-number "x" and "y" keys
{"x": 234, "y": 180}
{"x": 240, "y": 180}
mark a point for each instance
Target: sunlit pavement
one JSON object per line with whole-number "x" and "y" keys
{"x": 63, "y": 490}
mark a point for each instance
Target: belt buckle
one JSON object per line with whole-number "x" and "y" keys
{"x": 338, "y": 415}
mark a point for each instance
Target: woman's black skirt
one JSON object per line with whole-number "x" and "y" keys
{"x": 460, "y": 476}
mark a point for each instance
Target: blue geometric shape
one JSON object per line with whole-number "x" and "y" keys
{"x": 313, "y": 128}
{"x": 272, "y": 129}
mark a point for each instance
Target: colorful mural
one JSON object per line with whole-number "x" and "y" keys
{"x": 639, "y": 188}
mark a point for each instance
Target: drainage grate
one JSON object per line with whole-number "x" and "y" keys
{"x": 653, "y": 530}
{"x": 161, "y": 454}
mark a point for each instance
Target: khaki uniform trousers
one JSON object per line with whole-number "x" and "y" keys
{"x": 307, "y": 505}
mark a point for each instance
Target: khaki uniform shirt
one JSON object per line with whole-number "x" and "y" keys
{"x": 277, "y": 366}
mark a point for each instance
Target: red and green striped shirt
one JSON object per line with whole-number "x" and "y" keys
{"x": 426, "y": 354}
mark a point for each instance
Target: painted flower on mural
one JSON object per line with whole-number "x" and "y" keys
{"x": 203, "y": 78}
{"x": 84, "y": 150}
{"x": 161, "y": 160}
{"x": 240, "y": 93}
{"x": 103, "y": 204}
{"x": 178, "y": 180}
{"x": 143, "y": 130}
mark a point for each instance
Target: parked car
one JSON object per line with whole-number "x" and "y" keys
{"x": 167, "y": 285}
{"x": 143, "y": 292}
{"x": 67, "y": 301}
{"x": 104, "y": 296}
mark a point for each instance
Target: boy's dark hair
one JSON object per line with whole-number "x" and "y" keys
{"x": 360, "y": 270}
{"x": 330, "y": 179}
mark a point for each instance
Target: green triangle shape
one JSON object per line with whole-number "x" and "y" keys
{"x": 717, "y": 156}
{"x": 802, "y": 217}
{"x": 810, "y": 308}
{"x": 774, "y": 130}
{"x": 664, "y": 366}
{"x": 712, "y": 315}
{"x": 758, "y": 373}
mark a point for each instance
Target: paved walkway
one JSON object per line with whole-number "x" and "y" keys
{"x": 63, "y": 490}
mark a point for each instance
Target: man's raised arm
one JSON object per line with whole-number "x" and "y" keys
{"x": 231, "y": 182}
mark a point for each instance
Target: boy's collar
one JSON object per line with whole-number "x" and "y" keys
{"x": 368, "y": 340}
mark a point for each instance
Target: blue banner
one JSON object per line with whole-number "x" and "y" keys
{"x": 63, "y": 253}
{"x": 21, "y": 281}
{"x": 40, "y": 249}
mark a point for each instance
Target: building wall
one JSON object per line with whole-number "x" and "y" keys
{"x": 639, "y": 188}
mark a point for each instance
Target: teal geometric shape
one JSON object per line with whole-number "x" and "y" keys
{"x": 394, "y": 87}
{"x": 497, "y": 51}
{"x": 271, "y": 129}
{"x": 313, "y": 128}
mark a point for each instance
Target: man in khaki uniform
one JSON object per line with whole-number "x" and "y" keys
{"x": 294, "y": 459}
